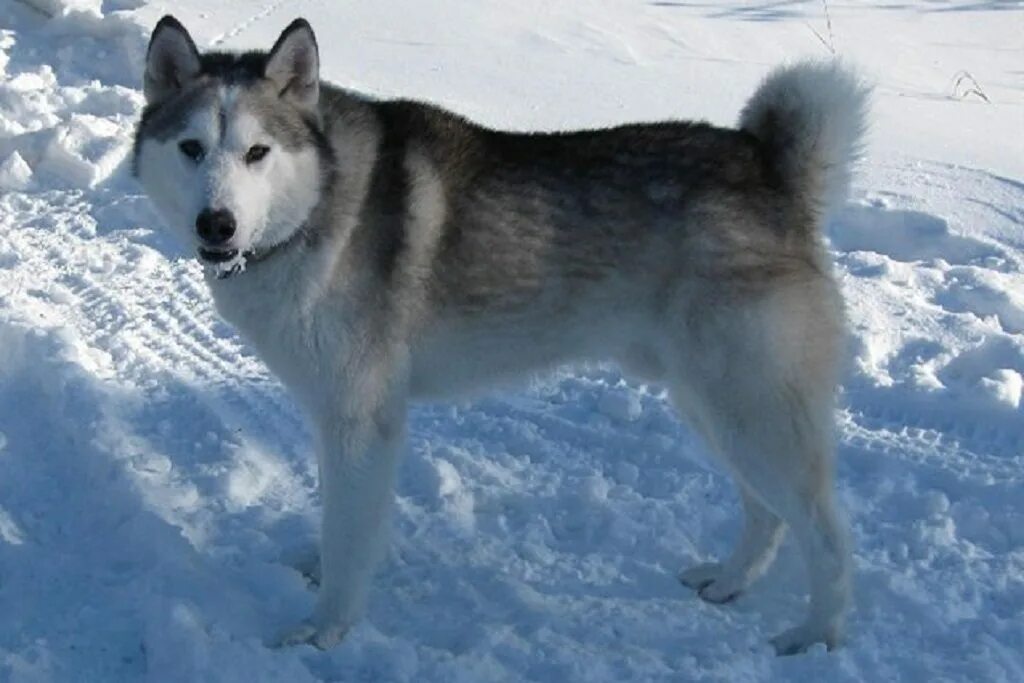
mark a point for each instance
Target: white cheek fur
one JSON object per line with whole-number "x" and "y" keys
{"x": 296, "y": 190}
{"x": 273, "y": 197}
{"x": 177, "y": 185}
{"x": 171, "y": 185}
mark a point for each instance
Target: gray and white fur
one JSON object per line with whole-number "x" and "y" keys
{"x": 379, "y": 252}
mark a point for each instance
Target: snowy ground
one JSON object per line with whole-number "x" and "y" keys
{"x": 155, "y": 481}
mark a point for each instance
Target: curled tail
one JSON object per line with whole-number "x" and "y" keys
{"x": 811, "y": 119}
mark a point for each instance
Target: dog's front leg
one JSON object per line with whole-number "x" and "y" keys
{"x": 358, "y": 456}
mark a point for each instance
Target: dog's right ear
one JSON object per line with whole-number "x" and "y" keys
{"x": 172, "y": 60}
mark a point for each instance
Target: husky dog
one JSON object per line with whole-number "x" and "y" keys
{"x": 375, "y": 252}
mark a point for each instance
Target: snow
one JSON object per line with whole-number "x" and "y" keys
{"x": 15, "y": 174}
{"x": 156, "y": 486}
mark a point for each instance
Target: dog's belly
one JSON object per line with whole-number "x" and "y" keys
{"x": 451, "y": 366}
{"x": 471, "y": 356}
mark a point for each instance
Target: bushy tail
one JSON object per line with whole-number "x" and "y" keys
{"x": 811, "y": 118}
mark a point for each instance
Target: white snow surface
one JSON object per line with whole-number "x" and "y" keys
{"x": 156, "y": 483}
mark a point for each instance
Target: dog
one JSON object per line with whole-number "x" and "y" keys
{"x": 378, "y": 252}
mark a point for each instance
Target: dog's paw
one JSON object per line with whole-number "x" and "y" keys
{"x": 721, "y": 591}
{"x": 308, "y": 633}
{"x": 800, "y": 638}
{"x": 712, "y": 583}
{"x": 701, "y": 575}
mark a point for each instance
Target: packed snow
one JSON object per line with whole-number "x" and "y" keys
{"x": 157, "y": 490}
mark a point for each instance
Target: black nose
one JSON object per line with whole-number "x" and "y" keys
{"x": 215, "y": 227}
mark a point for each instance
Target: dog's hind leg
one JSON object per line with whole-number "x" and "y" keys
{"x": 763, "y": 396}
{"x": 794, "y": 481}
{"x": 720, "y": 582}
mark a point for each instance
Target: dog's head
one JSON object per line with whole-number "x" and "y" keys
{"x": 229, "y": 147}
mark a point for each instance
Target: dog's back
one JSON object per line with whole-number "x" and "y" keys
{"x": 581, "y": 245}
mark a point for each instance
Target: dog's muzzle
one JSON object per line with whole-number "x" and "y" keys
{"x": 224, "y": 262}
{"x": 217, "y": 255}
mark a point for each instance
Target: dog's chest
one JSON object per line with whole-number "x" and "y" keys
{"x": 286, "y": 330}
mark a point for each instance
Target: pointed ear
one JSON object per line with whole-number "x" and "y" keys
{"x": 294, "y": 65}
{"x": 172, "y": 60}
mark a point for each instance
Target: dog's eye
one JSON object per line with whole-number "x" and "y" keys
{"x": 256, "y": 153}
{"x": 193, "y": 149}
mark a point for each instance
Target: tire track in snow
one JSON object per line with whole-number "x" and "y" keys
{"x": 155, "y": 321}
{"x": 178, "y": 339}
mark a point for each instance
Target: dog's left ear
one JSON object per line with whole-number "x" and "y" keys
{"x": 294, "y": 65}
